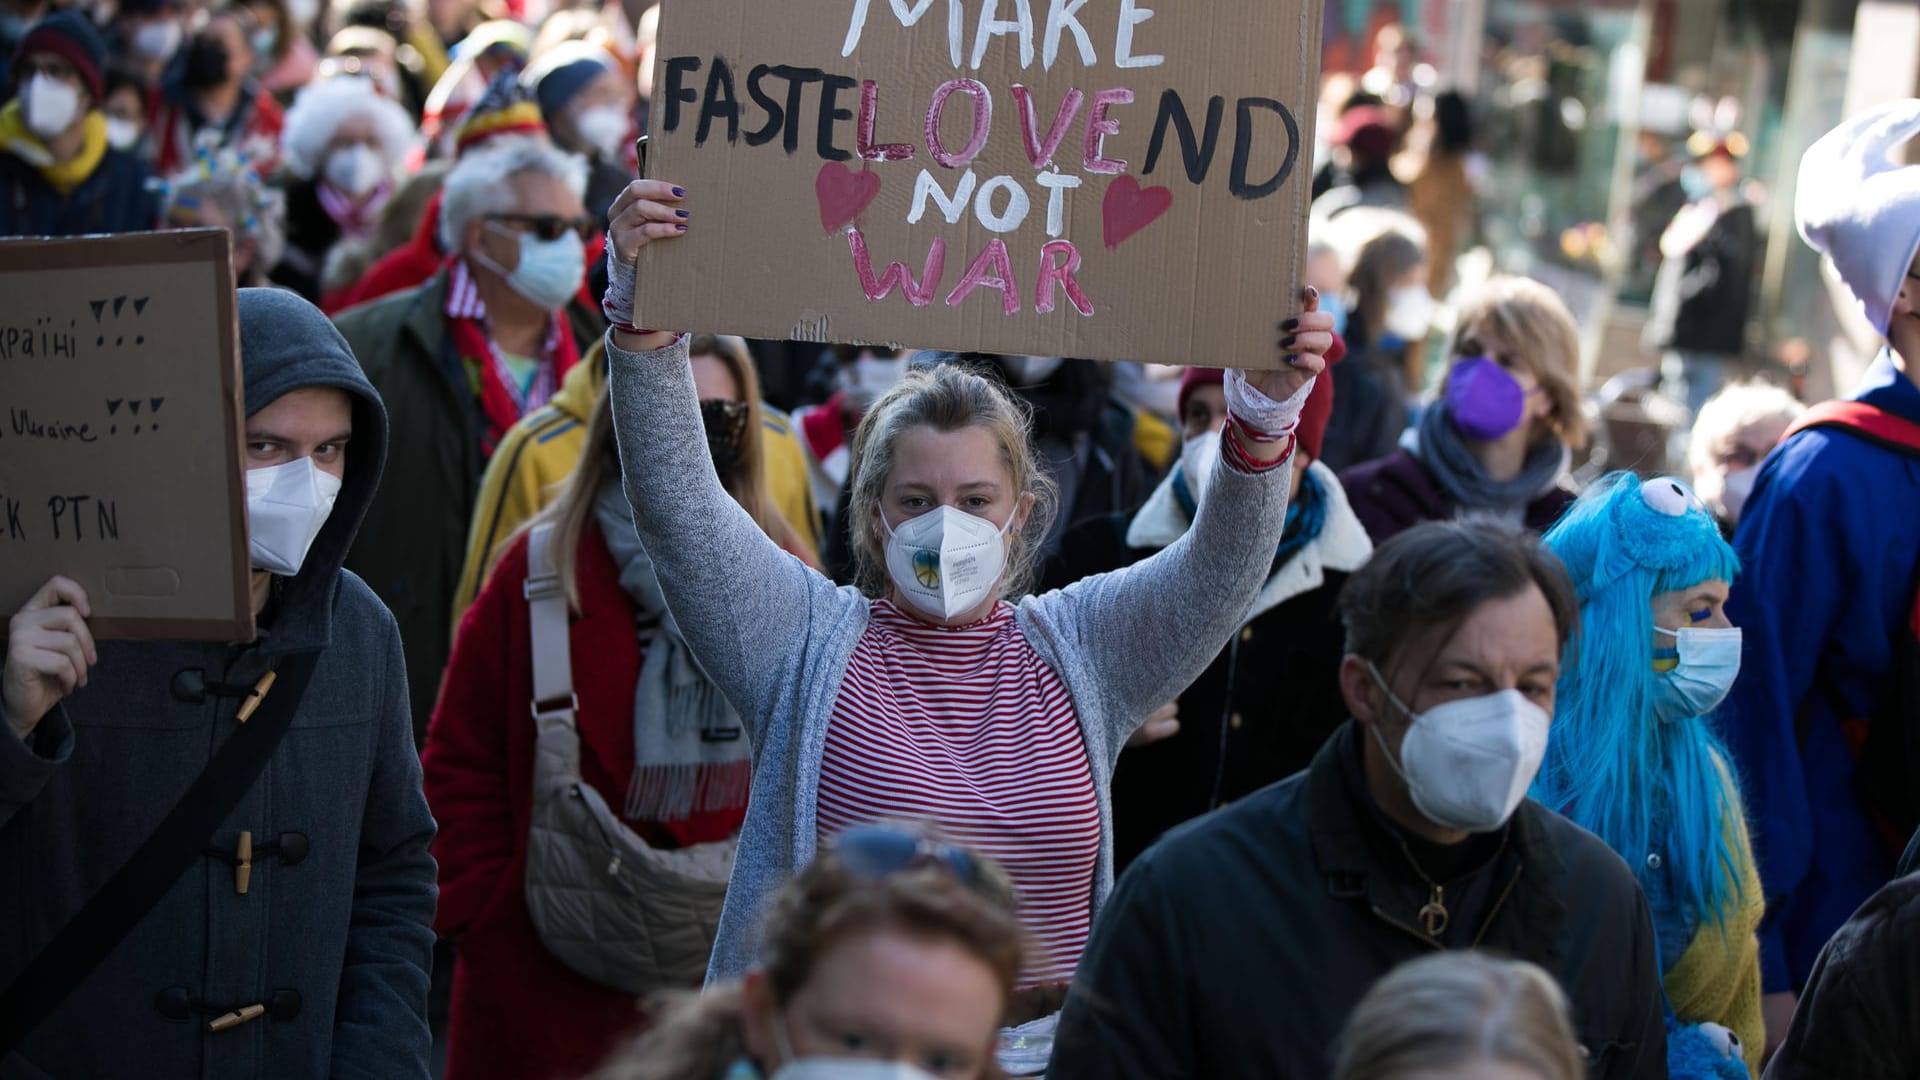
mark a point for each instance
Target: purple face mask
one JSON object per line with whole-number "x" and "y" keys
{"x": 1483, "y": 399}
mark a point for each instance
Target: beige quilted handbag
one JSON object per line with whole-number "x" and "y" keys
{"x": 606, "y": 904}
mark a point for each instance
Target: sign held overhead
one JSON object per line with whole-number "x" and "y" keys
{"x": 1091, "y": 178}
{"x": 120, "y": 430}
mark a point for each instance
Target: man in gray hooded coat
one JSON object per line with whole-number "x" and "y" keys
{"x": 330, "y": 933}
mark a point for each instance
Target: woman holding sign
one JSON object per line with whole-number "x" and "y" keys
{"x": 924, "y": 692}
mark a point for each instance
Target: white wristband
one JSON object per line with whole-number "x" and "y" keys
{"x": 1267, "y": 417}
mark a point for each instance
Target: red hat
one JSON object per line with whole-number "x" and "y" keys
{"x": 1366, "y": 130}
{"x": 1192, "y": 377}
{"x": 1312, "y": 431}
{"x": 1313, "y": 415}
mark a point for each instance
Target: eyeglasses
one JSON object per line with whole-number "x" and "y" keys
{"x": 552, "y": 226}
{"x": 878, "y": 851}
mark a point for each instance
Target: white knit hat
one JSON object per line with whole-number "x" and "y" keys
{"x": 1860, "y": 208}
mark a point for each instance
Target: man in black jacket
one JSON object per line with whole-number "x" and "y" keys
{"x": 1239, "y": 944}
{"x": 1859, "y": 1016}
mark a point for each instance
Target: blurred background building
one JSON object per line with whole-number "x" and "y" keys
{"x": 1591, "y": 127}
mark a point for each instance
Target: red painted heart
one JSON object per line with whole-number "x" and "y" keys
{"x": 843, "y": 193}
{"x": 1128, "y": 208}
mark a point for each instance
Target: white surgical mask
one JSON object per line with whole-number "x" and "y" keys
{"x": 51, "y": 105}
{"x": 1468, "y": 763}
{"x": 1197, "y": 456}
{"x": 122, "y": 134}
{"x": 286, "y": 507}
{"x": 157, "y": 40}
{"x": 946, "y": 561}
{"x": 1709, "y": 662}
{"x": 604, "y": 128}
{"x": 549, "y": 271}
{"x": 356, "y": 170}
{"x": 303, "y": 12}
{"x": 869, "y": 377}
{"x": 837, "y": 1068}
{"x": 1734, "y": 490}
{"x": 1409, "y": 312}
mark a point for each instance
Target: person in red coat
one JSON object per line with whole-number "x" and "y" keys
{"x": 517, "y": 1012}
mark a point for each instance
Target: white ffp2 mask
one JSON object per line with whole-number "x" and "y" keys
{"x": 1468, "y": 763}
{"x": 945, "y": 561}
{"x": 286, "y": 507}
{"x": 51, "y": 105}
{"x": 1197, "y": 458}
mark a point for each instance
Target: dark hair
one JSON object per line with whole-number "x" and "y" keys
{"x": 119, "y": 79}
{"x": 1453, "y": 123}
{"x": 1433, "y": 576}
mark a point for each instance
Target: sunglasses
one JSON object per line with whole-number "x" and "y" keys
{"x": 552, "y": 227}
{"x": 877, "y": 851}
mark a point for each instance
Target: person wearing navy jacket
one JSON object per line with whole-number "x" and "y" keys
{"x": 1829, "y": 540}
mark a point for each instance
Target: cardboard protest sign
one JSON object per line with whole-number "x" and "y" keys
{"x": 120, "y": 432}
{"x": 1090, "y": 178}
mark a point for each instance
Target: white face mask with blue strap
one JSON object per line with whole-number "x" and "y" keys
{"x": 1709, "y": 662}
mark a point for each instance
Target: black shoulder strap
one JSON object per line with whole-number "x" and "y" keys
{"x": 140, "y": 884}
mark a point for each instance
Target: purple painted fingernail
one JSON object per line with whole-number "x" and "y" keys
{"x": 679, "y": 228}
{"x": 1287, "y": 342}
{"x": 682, "y": 213}
{"x": 679, "y": 193}
{"x": 1290, "y": 325}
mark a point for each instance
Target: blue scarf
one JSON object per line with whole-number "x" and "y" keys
{"x": 1306, "y": 513}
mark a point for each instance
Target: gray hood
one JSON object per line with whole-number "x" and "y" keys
{"x": 286, "y": 344}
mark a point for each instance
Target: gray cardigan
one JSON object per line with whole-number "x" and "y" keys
{"x": 776, "y": 637}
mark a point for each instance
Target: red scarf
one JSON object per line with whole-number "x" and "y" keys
{"x": 492, "y": 382}
{"x": 825, "y": 428}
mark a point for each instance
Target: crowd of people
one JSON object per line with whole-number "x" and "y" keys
{"x": 944, "y": 714}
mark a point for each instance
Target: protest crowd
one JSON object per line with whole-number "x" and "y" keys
{"x": 657, "y": 703}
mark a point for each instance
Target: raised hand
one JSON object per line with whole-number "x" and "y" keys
{"x": 1304, "y": 339}
{"x": 49, "y": 650}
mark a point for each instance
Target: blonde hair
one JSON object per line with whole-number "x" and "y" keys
{"x": 1460, "y": 1008}
{"x": 699, "y": 1036}
{"x": 945, "y": 397}
{"x": 1533, "y": 320}
{"x": 572, "y": 509}
{"x": 1736, "y": 407}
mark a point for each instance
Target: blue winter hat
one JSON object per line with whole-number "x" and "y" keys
{"x": 559, "y": 75}
{"x": 66, "y": 34}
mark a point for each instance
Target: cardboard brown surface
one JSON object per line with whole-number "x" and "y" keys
{"x": 120, "y": 432}
{"x": 1136, "y": 208}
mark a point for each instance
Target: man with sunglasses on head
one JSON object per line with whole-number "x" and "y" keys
{"x": 58, "y": 175}
{"x": 459, "y": 360}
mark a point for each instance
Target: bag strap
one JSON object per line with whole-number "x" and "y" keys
{"x": 1873, "y": 424}
{"x": 144, "y": 879}
{"x": 553, "y": 695}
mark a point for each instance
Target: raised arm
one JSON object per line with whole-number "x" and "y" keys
{"x": 743, "y": 604}
{"x": 1153, "y": 627}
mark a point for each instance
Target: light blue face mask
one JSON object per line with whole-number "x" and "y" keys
{"x": 549, "y": 271}
{"x": 1335, "y": 305}
{"x": 1709, "y": 662}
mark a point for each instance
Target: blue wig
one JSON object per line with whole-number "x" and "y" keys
{"x": 1612, "y": 765}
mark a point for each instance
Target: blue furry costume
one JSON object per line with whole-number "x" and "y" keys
{"x": 1659, "y": 792}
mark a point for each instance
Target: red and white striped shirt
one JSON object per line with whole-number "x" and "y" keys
{"x": 968, "y": 728}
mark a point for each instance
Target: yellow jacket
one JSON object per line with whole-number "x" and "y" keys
{"x": 1717, "y": 979}
{"x": 541, "y": 450}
